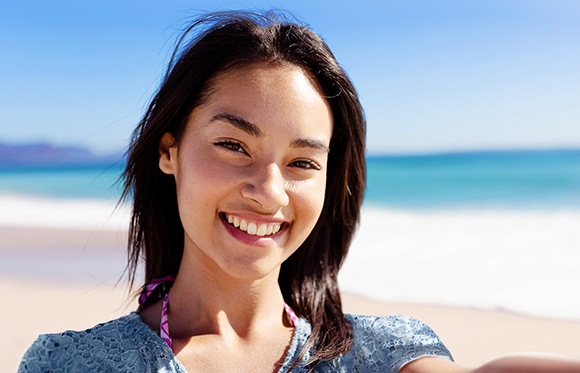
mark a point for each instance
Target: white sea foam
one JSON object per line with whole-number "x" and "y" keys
{"x": 521, "y": 261}
{"x": 41, "y": 212}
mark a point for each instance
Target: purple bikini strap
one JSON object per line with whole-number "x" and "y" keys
{"x": 146, "y": 293}
{"x": 290, "y": 312}
{"x": 151, "y": 286}
{"x": 164, "y": 324}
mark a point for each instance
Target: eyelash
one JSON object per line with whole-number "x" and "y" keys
{"x": 231, "y": 145}
{"x": 236, "y": 147}
{"x": 306, "y": 164}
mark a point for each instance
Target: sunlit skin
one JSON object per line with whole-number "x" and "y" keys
{"x": 257, "y": 151}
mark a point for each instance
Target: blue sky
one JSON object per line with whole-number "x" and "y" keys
{"x": 433, "y": 75}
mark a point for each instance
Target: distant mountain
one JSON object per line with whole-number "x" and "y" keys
{"x": 46, "y": 154}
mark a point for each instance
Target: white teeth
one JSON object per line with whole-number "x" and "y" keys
{"x": 254, "y": 229}
{"x": 261, "y": 230}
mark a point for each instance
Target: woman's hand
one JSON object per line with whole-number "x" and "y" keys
{"x": 531, "y": 364}
{"x": 509, "y": 364}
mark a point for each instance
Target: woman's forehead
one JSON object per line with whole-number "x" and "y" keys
{"x": 252, "y": 71}
{"x": 271, "y": 98}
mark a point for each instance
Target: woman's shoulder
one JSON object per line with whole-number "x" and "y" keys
{"x": 389, "y": 328}
{"x": 115, "y": 345}
{"x": 392, "y": 341}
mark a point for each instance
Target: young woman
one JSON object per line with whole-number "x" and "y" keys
{"x": 247, "y": 175}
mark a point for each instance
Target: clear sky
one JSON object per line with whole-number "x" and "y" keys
{"x": 432, "y": 75}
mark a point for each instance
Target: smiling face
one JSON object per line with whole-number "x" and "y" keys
{"x": 250, "y": 169}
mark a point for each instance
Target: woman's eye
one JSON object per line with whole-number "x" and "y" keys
{"x": 306, "y": 164}
{"x": 230, "y": 145}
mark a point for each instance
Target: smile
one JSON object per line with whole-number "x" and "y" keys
{"x": 253, "y": 228}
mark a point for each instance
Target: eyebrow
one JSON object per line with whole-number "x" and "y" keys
{"x": 309, "y": 143}
{"x": 251, "y": 129}
{"x": 240, "y": 123}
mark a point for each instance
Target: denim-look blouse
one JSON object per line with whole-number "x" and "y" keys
{"x": 127, "y": 344}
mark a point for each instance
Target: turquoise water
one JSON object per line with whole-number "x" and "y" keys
{"x": 532, "y": 179}
{"x": 95, "y": 181}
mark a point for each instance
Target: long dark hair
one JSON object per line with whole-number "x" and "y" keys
{"x": 209, "y": 46}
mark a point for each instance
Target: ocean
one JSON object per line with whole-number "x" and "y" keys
{"x": 504, "y": 180}
{"x": 494, "y": 230}
{"x": 513, "y": 180}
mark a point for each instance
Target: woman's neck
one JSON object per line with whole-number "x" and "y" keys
{"x": 207, "y": 301}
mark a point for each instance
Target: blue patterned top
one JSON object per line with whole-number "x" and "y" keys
{"x": 127, "y": 344}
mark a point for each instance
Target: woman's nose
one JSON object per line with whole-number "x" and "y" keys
{"x": 267, "y": 186}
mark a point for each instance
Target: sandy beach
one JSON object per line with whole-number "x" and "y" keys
{"x": 43, "y": 297}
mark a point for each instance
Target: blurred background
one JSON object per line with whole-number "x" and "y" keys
{"x": 473, "y": 196}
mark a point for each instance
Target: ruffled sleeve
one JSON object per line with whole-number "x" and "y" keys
{"x": 37, "y": 357}
{"x": 386, "y": 344}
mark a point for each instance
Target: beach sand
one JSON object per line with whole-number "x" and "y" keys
{"x": 37, "y": 302}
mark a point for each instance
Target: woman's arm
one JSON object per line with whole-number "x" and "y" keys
{"x": 510, "y": 364}
{"x": 531, "y": 364}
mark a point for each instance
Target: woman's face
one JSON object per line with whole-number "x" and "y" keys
{"x": 250, "y": 170}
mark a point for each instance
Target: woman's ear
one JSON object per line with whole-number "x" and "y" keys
{"x": 167, "y": 154}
